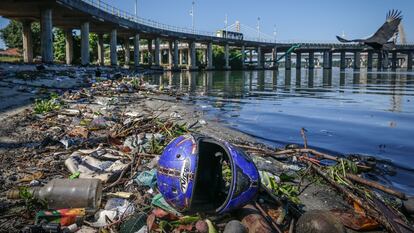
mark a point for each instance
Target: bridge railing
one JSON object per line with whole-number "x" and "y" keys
{"x": 148, "y": 22}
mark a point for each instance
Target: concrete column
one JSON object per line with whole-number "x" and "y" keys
{"x": 226, "y": 57}
{"x": 410, "y": 60}
{"x": 369, "y": 61}
{"x": 251, "y": 56}
{"x": 327, "y": 60}
{"x": 274, "y": 57}
{"x": 210, "y": 56}
{"x": 150, "y": 52}
{"x": 298, "y": 60}
{"x": 385, "y": 60}
{"x": 379, "y": 61}
{"x": 181, "y": 57}
{"x": 157, "y": 57}
{"x": 342, "y": 60}
{"x": 192, "y": 56}
{"x": 204, "y": 54}
{"x": 259, "y": 58}
{"x": 101, "y": 50}
{"x": 27, "y": 42}
{"x": 311, "y": 60}
{"x": 170, "y": 54}
{"x": 394, "y": 60}
{"x": 137, "y": 56}
{"x": 176, "y": 54}
{"x": 127, "y": 51}
{"x": 243, "y": 55}
{"x": 69, "y": 46}
{"x": 288, "y": 61}
{"x": 85, "y": 59}
{"x": 113, "y": 52}
{"x": 357, "y": 60}
{"x": 46, "y": 37}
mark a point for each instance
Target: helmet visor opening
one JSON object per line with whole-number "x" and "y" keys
{"x": 213, "y": 178}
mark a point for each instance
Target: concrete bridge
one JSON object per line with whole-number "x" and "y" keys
{"x": 98, "y": 17}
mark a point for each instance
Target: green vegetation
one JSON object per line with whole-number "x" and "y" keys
{"x": 42, "y": 106}
{"x": 12, "y": 36}
{"x": 339, "y": 171}
{"x": 234, "y": 58}
{"x": 10, "y": 59}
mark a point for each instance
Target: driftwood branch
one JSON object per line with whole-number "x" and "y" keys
{"x": 376, "y": 185}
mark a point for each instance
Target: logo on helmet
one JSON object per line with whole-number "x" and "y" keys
{"x": 185, "y": 175}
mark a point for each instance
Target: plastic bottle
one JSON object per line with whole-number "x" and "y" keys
{"x": 65, "y": 193}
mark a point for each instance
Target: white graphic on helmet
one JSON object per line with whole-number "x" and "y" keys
{"x": 185, "y": 174}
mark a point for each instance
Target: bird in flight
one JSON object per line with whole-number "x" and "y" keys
{"x": 381, "y": 39}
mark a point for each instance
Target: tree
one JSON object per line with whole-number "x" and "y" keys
{"x": 12, "y": 36}
{"x": 59, "y": 45}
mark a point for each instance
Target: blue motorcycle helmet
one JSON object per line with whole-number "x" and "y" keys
{"x": 197, "y": 173}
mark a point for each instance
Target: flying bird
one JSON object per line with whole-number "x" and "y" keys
{"x": 381, "y": 39}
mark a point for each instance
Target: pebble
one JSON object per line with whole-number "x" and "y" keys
{"x": 408, "y": 205}
{"x": 319, "y": 221}
{"x": 235, "y": 226}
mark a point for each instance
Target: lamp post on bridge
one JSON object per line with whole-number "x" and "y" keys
{"x": 258, "y": 27}
{"x": 192, "y": 16}
{"x": 225, "y": 26}
{"x": 136, "y": 8}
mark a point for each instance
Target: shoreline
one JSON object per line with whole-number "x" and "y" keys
{"x": 26, "y": 138}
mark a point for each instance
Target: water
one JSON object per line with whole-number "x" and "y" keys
{"x": 369, "y": 113}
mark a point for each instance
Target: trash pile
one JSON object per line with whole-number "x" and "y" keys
{"x": 99, "y": 159}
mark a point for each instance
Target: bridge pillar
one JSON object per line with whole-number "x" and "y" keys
{"x": 251, "y": 56}
{"x": 210, "y": 56}
{"x": 410, "y": 60}
{"x": 46, "y": 37}
{"x": 127, "y": 52}
{"x": 27, "y": 42}
{"x": 176, "y": 55}
{"x": 68, "y": 46}
{"x": 394, "y": 60}
{"x": 327, "y": 60}
{"x": 170, "y": 54}
{"x": 85, "y": 58}
{"x": 288, "y": 61}
{"x": 369, "y": 62}
{"x": 379, "y": 60}
{"x": 150, "y": 52}
{"x": 243, "y": 56}
{"x": 342, "y": 65}
{"x": 136, "y": 50}
{"x": 259, "y": 58}
{"x": 298, "y": 60}
{"x": 274, "y": 58}
{"x": 311, "y": 60}
{"x": 101, "y": 50}
{"x": 226, "y": 57}
{"x": 180, "y": 60}
{"x": 157, "y": 57}
{"x": 113, "y": 52}
{"x": 192, "y": 58}
{"x": 357, "y": 60}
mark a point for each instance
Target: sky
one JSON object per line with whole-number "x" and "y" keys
{"x": 301, "y": 20}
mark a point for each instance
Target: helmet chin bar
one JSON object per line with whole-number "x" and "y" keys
{"x": 211, "y": 192}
